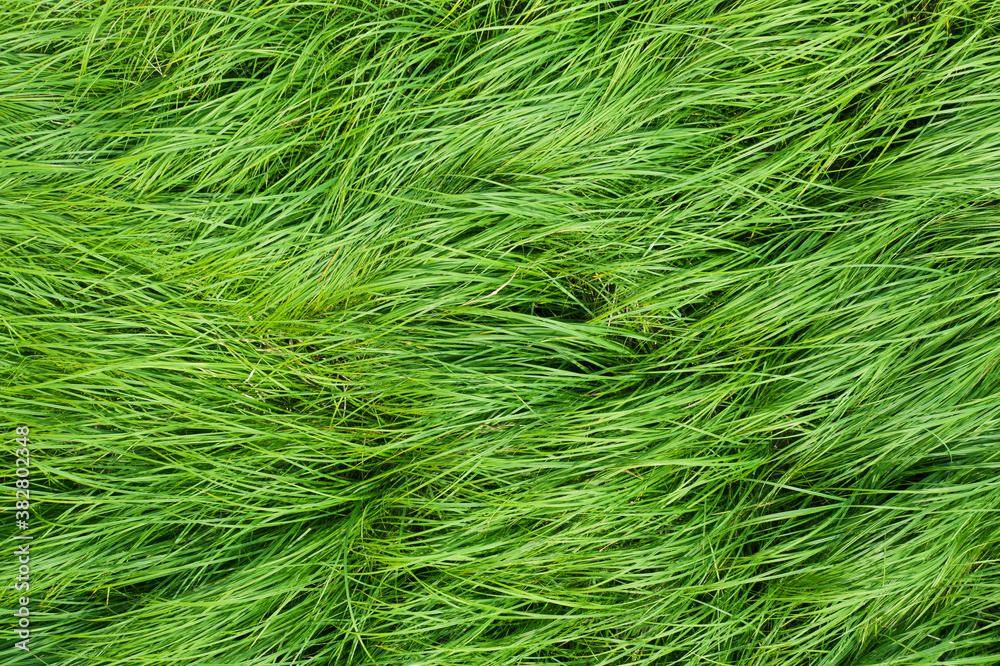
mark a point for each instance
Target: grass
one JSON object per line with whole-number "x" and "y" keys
{"x": 432, "y": 334}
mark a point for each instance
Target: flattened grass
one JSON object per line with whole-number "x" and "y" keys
{"x": 505, "y": 333}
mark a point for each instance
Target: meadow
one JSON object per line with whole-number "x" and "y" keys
{"x": 468, "y": 333}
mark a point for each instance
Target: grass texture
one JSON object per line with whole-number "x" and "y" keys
{"x": 517, "y": 333}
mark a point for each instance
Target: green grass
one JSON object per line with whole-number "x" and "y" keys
{"x": 434, "y": 334}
